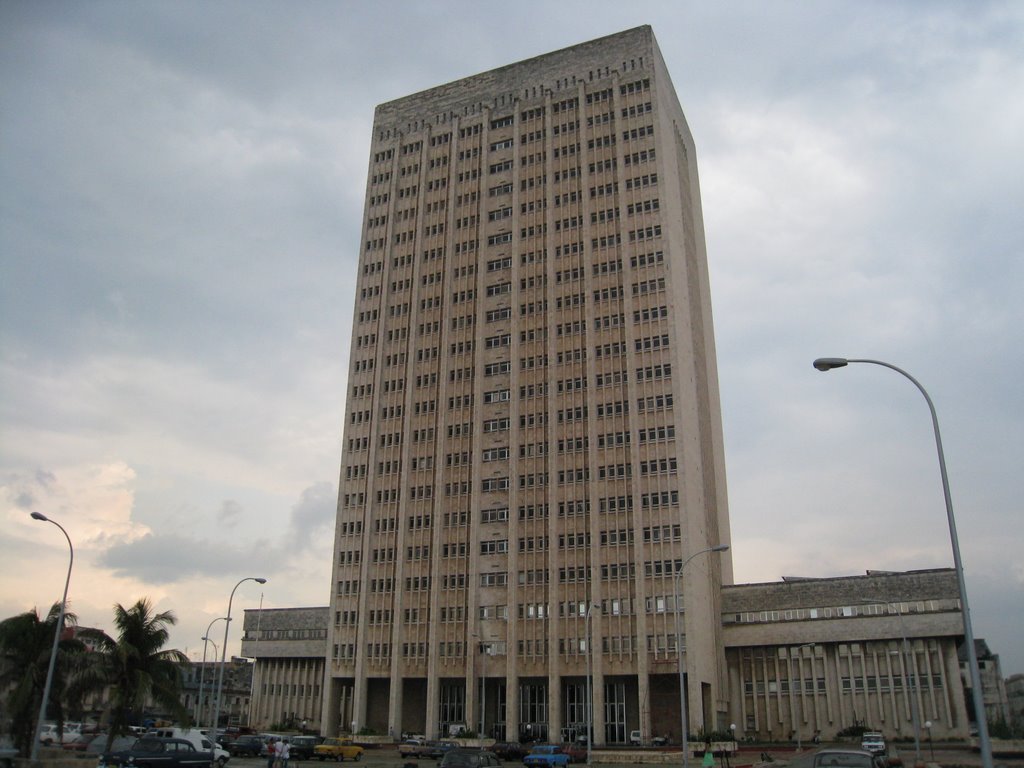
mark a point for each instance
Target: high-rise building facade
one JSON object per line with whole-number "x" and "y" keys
{"x": 533, "y": 442}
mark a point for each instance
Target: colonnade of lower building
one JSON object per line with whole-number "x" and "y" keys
{"x": 788, "y": 692}
{"x": 533, "y": 709}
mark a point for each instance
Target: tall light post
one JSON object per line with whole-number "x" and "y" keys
{"x": 799, "y": 734}
{"x": 827, "y": 364}
{"x": 589, "y": 707}
{"x": 202, "y": 669}
{"x": 216, "y": 652}
{"x": 56, "y": 638}
{"x": 224, "y": 653}
{"x": 909, "y": 675}
{"x": 679, "y": 644}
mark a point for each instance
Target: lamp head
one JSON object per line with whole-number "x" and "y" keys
{"x": 260, "y": 581}
{"x": 720, "y": 548}
{"x": 828, "y": 363}
{"x": 40, "y": 516}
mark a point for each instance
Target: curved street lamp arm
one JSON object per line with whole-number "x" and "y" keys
{"x": 827, "y": 364}
{"x": 56, "y": 639}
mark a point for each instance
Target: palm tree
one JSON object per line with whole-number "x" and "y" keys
{"x": 25, "y": 644}
{"x": 136, "y": 666}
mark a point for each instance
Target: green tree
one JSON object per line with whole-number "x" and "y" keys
{"x": 135, "y": 666}
{"x": 25, "y": 646}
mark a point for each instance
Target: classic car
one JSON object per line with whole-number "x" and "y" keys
{"x": 510, "y": 750}
{"x": 338, "y": 749}
{"x": 248, "y": 745}
{"x": 158, "y": 752}
{"x": 301, "y": 747}
{"x": 438, "y": 749}
{"x": 545, "y": 756}
{"x": 847, "y": 758}
{"x": 410, "y": 749}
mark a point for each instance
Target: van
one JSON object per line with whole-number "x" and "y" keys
{"x": 196, "y": 738}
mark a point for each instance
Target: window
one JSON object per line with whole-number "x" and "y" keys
{"x": 497, "y": 396}
{"x": 494, "y": 547}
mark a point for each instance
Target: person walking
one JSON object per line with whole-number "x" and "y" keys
{"x": 271, "y": 752}
{"x": 286, "y": 753}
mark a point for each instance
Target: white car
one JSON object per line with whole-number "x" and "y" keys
{"x": 873, "y": 742}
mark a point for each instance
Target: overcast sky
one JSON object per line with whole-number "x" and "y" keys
{"x": 181, "y": 192}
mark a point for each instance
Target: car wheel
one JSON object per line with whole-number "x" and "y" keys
{"x": 222, "y": 761}
{"x": 358, "y": 757}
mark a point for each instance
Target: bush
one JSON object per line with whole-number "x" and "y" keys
{"x": 853, "y": 731}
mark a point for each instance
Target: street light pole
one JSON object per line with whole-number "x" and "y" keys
{"x": 827, "y": 364}
{"x": 679, "y": 644}
{"x": 202, "y": 669}
{"x": 799, "y": 726}
{"x": 216, "y": 653}
{"x": 224, "y": 653}
{"x": 56, "y": 638}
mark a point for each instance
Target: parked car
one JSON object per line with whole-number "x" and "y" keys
{"x": 76, "y": 742}
{"x": 158, "y": 752}
{"x": 546, "y": 755}
{"x": 510, "y": 750}
{"x": 410, "y": 749}
{"x": 249, "y": 745}
{"x": 873, "y": 742}
{"x": 98, "y": 745}
{"x": 197, "y": 738}
{"x": 636, "y": 740}
{"x": 338, "y": 749}
{"x": 470, "y": 758}
{"x": 847, "y": 758}
{"x": 438, "y": 749}
{"x": 302, "y": 747}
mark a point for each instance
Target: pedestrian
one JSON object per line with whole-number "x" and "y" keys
{"x": 709, "y": 757}
{"x": 279, "y": 752}
{"x": 286, "y": 753}
{"x": 271, "y": 752}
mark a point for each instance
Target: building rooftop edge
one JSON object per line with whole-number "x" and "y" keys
{"x": 642, "y": 30}
{"x": 810, "y": 579}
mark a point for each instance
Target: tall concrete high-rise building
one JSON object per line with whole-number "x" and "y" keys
{"x": 533, "y": 440}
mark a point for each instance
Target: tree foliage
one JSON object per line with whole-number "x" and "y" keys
{"x": 25, "y": 646}
{"x": 135, "y": 666}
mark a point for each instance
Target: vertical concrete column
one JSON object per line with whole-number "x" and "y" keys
{"x": 331, "y": 707}
{"x": 512, "y": 708}
{"x": 555, "y": 700}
